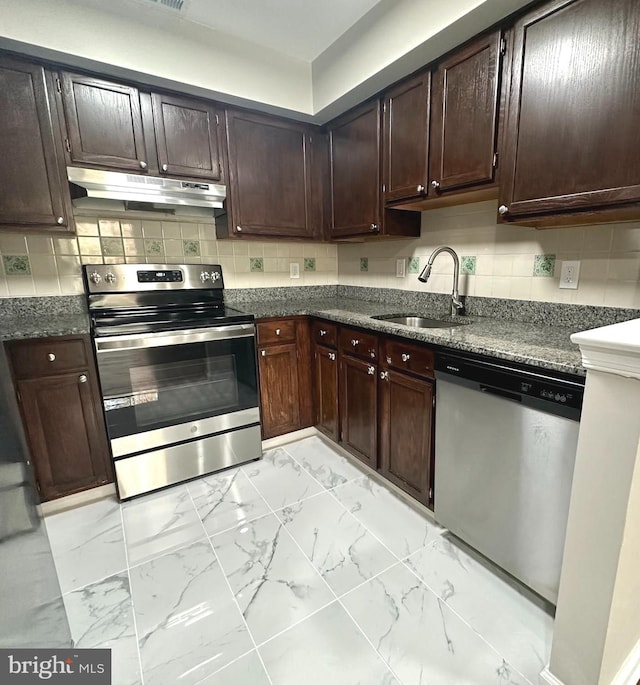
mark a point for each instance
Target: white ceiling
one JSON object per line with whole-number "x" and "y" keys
{"x": 301, "y": 29}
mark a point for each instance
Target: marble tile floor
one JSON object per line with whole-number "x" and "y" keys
{"x": 299, "y": 568}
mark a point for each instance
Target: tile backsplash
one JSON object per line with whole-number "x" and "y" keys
{"x": 45, "y": 265}
{"x": 505, "y": 261}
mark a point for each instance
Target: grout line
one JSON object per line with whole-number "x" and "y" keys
{"x": 233, "y": 597}
{"x": 133, "y": 611}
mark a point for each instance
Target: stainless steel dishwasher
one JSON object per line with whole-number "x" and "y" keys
{"x": 505, "y": 446}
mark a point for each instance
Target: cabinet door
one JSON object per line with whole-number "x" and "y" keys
{"x": 572, "y": 134}
{"x": 66, "y": 436}
{"x": 354, "y": 143}
{"x": 33, "y": 183}
{"x": 358, "y": 397}
{"x": 279, "y": 391}
{"x": 464, "y": 116}
{"x": 326, "y": 391}
{"x": 406, "y": 138}
{"x": 406, "y": 406}
{"x": 104, "y": 123}
{"x": 270, "y": 176}
{"x": 187, "y": 137}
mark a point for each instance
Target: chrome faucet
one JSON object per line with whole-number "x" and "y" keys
{"x": 457, "y": 306}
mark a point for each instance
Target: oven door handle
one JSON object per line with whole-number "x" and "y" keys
{"x": 116, "y": 343}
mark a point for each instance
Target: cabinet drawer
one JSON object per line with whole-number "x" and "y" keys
{"x": 281, "y": 331}
{"x": 325, "y": 333}
{"x": 404, "y": 356}
{"x": 47, "y": 357}
{"x": 358, "y": 343}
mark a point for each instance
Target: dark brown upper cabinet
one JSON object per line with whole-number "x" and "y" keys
{"x": 355, "y": 146}
{"x": 187, "y": 137}
{"x": 270, "y": 177}
{"x": 406, "y": 139}
{"x": 572, "y": 137}
{"x": 104, "y": 123}
{"x": 34, "y": 193}
{"x": 464, "y": 117}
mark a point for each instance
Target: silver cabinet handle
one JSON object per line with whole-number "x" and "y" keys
{"x": 388, "y": 360}
{"x": 239, "y": 229}
{"x": 277, "y": 331}
{"x": 384, "y": 375}
{"x": 263, "y": 353}
{"x": 51, "y": 357}
{"x": 435, "y": 184}
{"x": 332, "y": 356}
{"x": 420, "y": 188}
{"x": 503, "y": 209}
{"x": 143, "y": 165}
{"x": 165, "y": 167}
{"x": 373, "y": 227}
{"x": 406, "y": 357}
{"x": 323, "y": 333}
{"x": 60, "y": 220}
{"x": 355, "y": 342}
{"x": 83, "y": 378}
{"x": 371, "y": 370}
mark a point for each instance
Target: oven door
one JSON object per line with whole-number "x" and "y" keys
{"x": 163, "y": 388}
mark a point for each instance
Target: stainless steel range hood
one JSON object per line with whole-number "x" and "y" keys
{"x": 147, "y": 193}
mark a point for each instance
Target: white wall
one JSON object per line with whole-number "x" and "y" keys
{"x": 194, "y": 59}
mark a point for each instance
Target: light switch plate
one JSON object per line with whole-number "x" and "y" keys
{"x": 294, "y": 270}
{"x": 570, "y": 274}
{"x": 401, "y": 268}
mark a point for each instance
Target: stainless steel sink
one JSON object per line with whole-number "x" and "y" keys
{"x": 414, "y": 321}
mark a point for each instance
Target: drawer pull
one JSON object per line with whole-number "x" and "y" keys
{"x": 406, "y": 357}
{"x": 355, "y": 342}
{"x": 277, "y": 331}
{"x": 384, "y": 375}
{"x": 83, "y": 378}
{"x": 322, "y": 332}
{"x": 51, "y": 357}
{"x": 332, "y": 356}
{"x": 371, "y": 370}
{"x": 263, "y": 353}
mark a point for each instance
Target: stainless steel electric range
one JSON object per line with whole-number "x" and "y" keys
{"x": 177, "y": 368}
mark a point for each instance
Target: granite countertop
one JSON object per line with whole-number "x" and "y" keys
{"x": 43, "y": 325}
{"x": 544, "y": 346}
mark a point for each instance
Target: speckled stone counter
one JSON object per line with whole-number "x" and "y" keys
{"x": 42, "y": 317}
{"x": 548, "y": 347}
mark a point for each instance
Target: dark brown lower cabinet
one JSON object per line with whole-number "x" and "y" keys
{"x": 62, "y": 416}
{"x": 326, "y": 395}
{"x": 359, "y": 403}
{"x": 406, "y": 431}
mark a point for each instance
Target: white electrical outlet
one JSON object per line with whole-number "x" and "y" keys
{"x": 401, "y": 268}
{"x": 294, "y": 270}
{"x": 570, "y": 274}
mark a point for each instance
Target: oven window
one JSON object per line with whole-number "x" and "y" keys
{"x": 157, "y": 387}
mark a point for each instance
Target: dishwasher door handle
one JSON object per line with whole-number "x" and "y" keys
{"x": 501, "y": 393}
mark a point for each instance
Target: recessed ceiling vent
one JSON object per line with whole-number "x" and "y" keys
{"x": 177, "y": 5}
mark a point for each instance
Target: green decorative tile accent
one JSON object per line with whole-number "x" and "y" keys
{"x": 544, "y": 265}
{"x": 414, "y": 265}
{"x": 256, "y": 263}
{"x": 191, "y": 248}
{"x": 153, "y": 247}
{"x": 112, "y": 247}
{"x": 309, "y": 263}
{"x": 364, "y": 263}
{"x": 16, "y": 265}
{"x": 468, "y": 265}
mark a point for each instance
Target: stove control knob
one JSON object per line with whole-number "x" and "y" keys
{"x": 110, "y": 278}
{"x": 215, "y": 276}
{"x": 204, "y": 276}
{"x": 95, "y": 277}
